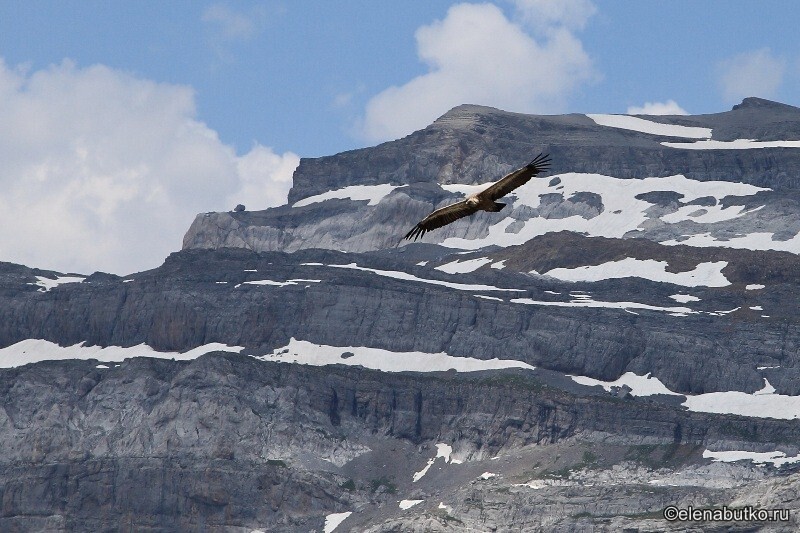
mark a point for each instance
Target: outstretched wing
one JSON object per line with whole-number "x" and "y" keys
{"x": 441, "y": 217}
{"x": 519, "y": 177}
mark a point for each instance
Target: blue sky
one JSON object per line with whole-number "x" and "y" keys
{"x": 112, "y": 111}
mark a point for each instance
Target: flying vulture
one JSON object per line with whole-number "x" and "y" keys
{"x": 481, "y": 201}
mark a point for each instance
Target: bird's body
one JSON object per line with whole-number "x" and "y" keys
{"x": 480, "y": 201}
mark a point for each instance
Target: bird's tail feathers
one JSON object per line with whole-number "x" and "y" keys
{"x": 496, "y": 207}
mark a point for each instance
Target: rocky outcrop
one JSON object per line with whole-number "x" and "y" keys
{"x": 239, "y": 442}
{"x": 227, "y": 442}
{"x": 470, "y": 143}
{"x": 198, "y": 297}
{"x": 474, "y": 145}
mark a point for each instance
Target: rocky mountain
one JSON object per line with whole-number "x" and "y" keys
{"x": 706, "y": 180}
{"x": 621, "y": 338}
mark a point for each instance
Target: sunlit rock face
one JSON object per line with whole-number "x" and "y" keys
{"x": 724, "y": 179}
{"x": 623, "y": 336}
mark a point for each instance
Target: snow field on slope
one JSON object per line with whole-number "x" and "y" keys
{"x": 777, "y": 458}
{"x": 760, "y": 404}
{"x": 46, "y": 283}
{"x": 333, "y": 520}
{"x": 622, "y": 211}
{"x": 442, "y": 450}
{"x": 373, "y": 193}
{"x": 736, "y": 144}
{"x": 37, "y": 350}
{"x": 703, "y": 275}
{"x": 751, "y": 241}
{"x": 308, "y": 353}
{"x": 628, "y": 122}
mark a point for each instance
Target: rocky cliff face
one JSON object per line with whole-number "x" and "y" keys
{"x": 622, "y": 337}
{"x": 361, "y": 200}
{"x": 262, "y": 301}
{"x": 227, "y": 442}
{"x": 471, "y": 144}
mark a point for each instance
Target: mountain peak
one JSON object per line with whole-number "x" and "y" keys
{"x": 753, "y": 102}
{"x": 468, "y": 109}
{"x": 464, "y": 115}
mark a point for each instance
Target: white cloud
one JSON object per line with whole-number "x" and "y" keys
{"x": 264, "y": 178}
{"x": 226, "y": 27}
{"x": 756, "y": 73}
{"x": 477, "y": 55}
{"x": 230, "y": 24}
{"x": 670, "y": 107}
{"x": 105, "y": 171}
{"x": 542, "y": 14}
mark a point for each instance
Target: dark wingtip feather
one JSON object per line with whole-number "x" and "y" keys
{"x": 416, "y": 232}
{"x": 541, "y": 162}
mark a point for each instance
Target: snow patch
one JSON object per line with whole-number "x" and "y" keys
{"x": 767, "y": 389}
{"x": 622, "y": 211}
{"x": 442, "y": 450}
{"x": 487, "y": 297}
{"x": 36, "y": 350}
{"x": 462, "y": 267}
{"x": 640, "y": 385}
{"x": 708, "y": 214}
{"x": 628, "y": 122}
{"x": 308, "y": 353}
{"x": 373, "y": 193}
{"x": 333, "y": 520}
{"x": 761, "y": 404}
{"x": 487, "y": 475}
{"x": 776, "y": 458}
{"x": 703, "y": 275}
{"x": 738, "y": 144}
{"x": 278, "y": 283}
{"x": 751, "y": 241}
{"x": 754, "y": 287}
{"x": 410, "y": 277}
{"x": 586, "y": 301}
{"x": 499, "y": 265}
{"x": 408, "y": 504}
{"x": 684, "y": 298}
{"x": 537, "y": 484}
{"x": 46, "y": 283}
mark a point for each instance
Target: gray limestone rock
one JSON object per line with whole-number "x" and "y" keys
{"x": 474, "y": 144}
{"x": 236, "y": 442}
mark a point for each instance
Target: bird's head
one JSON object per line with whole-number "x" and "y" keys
{"x": 472, "y": 201}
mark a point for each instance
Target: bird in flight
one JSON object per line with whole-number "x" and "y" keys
{"x": 481, "y": 201}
